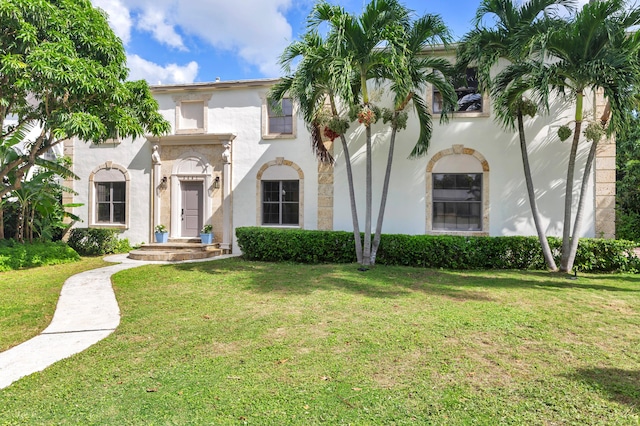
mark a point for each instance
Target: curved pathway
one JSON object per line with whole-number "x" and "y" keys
{"x": 86, "y": 313}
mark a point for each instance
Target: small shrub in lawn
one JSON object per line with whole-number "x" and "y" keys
{"x": 14, "y": 255}
{"x": 95, "y": 241}
{"x": 432, "y": 251}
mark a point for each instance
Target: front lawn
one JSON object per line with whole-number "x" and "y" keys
{"x": 235, "y": 342}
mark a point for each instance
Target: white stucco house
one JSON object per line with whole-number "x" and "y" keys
{"x": 231, "y": 162}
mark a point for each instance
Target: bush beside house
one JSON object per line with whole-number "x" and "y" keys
{"x": 432, "y": 251}
{"x": 14, "y": 255}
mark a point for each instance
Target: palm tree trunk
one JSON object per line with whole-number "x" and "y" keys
{"x": 1, "y": 220}
{"x": 383, "y": 200}
{"x": 544, "y": 243}
{"x": 578, "y": 222}
{"x": 568, "y": 198}
{"x": 352, "y": 195}
{"x": 352, "y": 199}
{"x": 366, "y": 255}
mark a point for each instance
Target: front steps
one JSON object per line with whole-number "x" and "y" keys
{"x": 176, "y": 250}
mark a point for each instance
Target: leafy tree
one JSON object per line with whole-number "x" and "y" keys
{"x": 515, "y": 31}
{"x": 63, "y": 71}
{"x": 590, "y": 51}
{"x": 628, "y": 181}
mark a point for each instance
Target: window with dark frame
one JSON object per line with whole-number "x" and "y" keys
{"x": 110, "y": 202}
{"x": 280, "y": 117}
{"x": 457, "y": 201}
{"x": 466, "y": 87}
{"x": 280, "y": 202}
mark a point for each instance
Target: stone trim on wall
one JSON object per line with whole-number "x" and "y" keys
{"x": 280, "y": 161}
{"x": 605, "y": 179}
{"x": 325, "y": 193}
{"x": 458, "y": 150}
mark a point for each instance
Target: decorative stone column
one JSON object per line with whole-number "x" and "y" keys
{"x": 155, "y": 189}
{"x": 605, "y": 179}
{"x": 325, "y": 192}
{"x": 227, "y": 216}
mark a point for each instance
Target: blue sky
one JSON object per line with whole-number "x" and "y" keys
{"x": 185, "y": 41}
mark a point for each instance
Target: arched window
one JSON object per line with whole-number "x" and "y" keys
{"x": 458, "y": 192}
{"x": 280, "y": 194}
{"x": 109, "y": 196}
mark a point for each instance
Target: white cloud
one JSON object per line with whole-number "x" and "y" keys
{"x": 155, "y": 21}
{"x": 119, "y": 18}
{"x": 141, "y": 69}
{"x": 256, "y": 29}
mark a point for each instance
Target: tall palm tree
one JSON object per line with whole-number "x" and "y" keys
{"x": 516, "y": 29}
{"x": 593, "y": 50}
{"x": 310, "y": 87}
{"x": 409, "y": 75}
{"x": 363, "y": 48}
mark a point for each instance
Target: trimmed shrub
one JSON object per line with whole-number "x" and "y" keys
{"x": 432, "y": 251}
{"x": 15, "y": 255}
{"x": 97, "y": 241}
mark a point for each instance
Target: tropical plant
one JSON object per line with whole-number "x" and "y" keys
{"x": 515, "y": 30}
{"x": 409, "y": 73}
{"x": 310, "y": 86}
{"x": 380, "y": 46}
{"x": 63, "y": 70}
{"x": 593, "y": 50}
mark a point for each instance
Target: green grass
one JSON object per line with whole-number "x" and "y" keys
{"x": 234, "y": 342}
{"x": 28, "y": 298}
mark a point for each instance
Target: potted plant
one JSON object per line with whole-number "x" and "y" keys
{"x": 206, "y": 236}
{"x": 162, "y": 235}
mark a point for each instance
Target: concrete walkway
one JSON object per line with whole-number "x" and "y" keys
{"x": 86, "y": 313}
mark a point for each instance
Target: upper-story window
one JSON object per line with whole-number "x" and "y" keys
{"x": 470, "y": 100}
{"x": 281, "y": 117}
{"x": 278, "y": 120}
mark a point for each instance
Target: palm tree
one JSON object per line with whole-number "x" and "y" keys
{"x": 593, "y": 50}
{"x": 310, "y": 87}
{"x": 409, "y": 74}
{"x": 368, "y": 47}
{"x": 516, "y": 30}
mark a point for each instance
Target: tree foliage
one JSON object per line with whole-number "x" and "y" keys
{"x": 63, "y": 70}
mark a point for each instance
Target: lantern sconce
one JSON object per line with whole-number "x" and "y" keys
{"x": 216, "y": 182}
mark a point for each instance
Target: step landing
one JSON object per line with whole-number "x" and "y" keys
{"x": 175, "y": 251}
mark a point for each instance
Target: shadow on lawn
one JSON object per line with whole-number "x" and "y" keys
{"x": 622, "y": 386}
{"x": 392, "y": 282}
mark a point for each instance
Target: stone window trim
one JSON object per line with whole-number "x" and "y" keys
{"x": 486, "y": 106}
{"x": 266, "y": 133}
{"x": 93, "y": 222}
{"x": 192, "y": 98}
{"x": 458, "y": 150}
{"x": 280, "y": 161}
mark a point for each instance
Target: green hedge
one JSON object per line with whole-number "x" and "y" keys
{"x": 97, "y": 241}
{"x": 15, "y": 255}
{"x": 430, "y": 251}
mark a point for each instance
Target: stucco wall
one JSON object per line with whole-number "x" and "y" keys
{"x": 509, "y": 207}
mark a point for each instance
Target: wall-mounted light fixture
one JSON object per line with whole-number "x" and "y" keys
{"x": 164, "y": 179}
{"x": 216, "y": 182}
